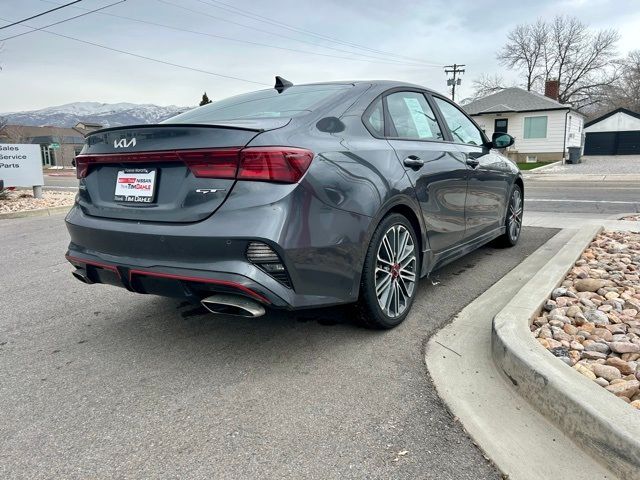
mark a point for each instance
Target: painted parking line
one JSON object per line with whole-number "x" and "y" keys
{"x": 579, "y": 201}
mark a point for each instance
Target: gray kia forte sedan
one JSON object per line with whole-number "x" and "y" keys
{"x": 293, "y": 197}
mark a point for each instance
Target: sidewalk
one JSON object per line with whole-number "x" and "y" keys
{"x": 576, "y": 220}
{"x": 523, "y": 443}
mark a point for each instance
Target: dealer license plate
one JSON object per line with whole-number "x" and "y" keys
{"x": 135, "y": 185}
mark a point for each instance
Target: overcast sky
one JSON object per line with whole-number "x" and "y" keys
{"x": 41, "y": 70}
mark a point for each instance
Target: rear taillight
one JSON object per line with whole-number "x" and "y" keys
{"x": 83, "y": 162}
{"x": 265, "y": 164}
{"x": 274, "y": 164}
{"x": 221, "y": 163}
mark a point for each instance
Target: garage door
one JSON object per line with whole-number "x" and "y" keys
{"x": 612, "y": 143}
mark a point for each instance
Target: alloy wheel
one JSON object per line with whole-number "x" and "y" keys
{"x": 395, "y": 274}
{"x": 515, "y": 214}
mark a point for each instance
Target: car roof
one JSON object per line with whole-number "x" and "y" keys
{"x": 385, "y": 84}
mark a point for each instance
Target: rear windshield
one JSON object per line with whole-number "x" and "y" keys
{"x": 293, "y": 101}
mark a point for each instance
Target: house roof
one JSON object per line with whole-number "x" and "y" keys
{"x": 512, "y": 100}
{"x": 612, "y": 112}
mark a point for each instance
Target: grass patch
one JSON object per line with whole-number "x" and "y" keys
{"x": 531, "y": 166}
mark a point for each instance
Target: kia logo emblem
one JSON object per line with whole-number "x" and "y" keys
{"x": 124, "y": 143}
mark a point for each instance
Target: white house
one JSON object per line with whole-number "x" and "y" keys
{"x": 615, "y": 133}
{"x": 542, "y": 127}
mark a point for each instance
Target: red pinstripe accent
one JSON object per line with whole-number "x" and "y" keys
{"x": 226, "y": 283}
{"x": 94, "y": 263}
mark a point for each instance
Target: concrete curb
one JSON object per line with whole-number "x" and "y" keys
{"x": 523, "y": 443}
{"x": 588, "y": 414}
{"x": 40, "y": 212}
{"x": 542, "y": 169}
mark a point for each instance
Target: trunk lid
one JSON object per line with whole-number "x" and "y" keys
{"x": 155, "y": 173}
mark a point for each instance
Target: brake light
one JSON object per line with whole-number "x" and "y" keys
{"x": 265, "y": 164}
{"x": 274, "y": 164}
{"x": 222, "y": 163}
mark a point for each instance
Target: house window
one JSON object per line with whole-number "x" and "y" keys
{"x": 535, "y": 127}
{"x": 501, "y": 125}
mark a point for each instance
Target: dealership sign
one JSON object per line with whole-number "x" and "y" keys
{"x": 20, "y": 165}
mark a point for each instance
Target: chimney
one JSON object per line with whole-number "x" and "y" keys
{"x": 552, "y": 89}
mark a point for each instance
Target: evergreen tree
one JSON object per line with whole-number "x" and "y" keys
{"x": 205, "y": 99}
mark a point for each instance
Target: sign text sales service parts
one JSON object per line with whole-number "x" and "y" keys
{"x": 20, "y": 165}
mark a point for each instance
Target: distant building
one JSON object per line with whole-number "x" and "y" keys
{"x": 70, "y": 141}
{"x": 543, "y": 127}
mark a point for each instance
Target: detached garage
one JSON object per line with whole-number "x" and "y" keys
{"x": 616, "y": 133}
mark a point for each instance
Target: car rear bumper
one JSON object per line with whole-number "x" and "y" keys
{"x": 197, "y": 259}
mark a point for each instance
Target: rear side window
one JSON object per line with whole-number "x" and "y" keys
{"x": 374, "y": 118}
{"x": 462, "y": 129}
{"x": 411, "y": 117}
{"x": 293, "y": 101}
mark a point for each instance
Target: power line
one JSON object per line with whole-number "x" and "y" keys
{"x": 61, "y": 21}
{"x": 249, "y": 42}
{"x": 315, "y": 44}
{"x": 255, "y": 16}
{"x": 38, "y": 15}
{"x": 137, "y": 55}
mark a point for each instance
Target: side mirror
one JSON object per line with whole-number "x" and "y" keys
{"x": 73, "y": 162}
{"x": 501, "y": 140}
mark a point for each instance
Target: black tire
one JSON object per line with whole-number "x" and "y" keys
{"x": 369, "y": 311}
{"x": 513, "y": 219}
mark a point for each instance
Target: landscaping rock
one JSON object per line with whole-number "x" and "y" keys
{"x": 589, "y": 284}
{"x": 592, "y": 321}
{"x": 624, "y": 347}
{"x": 626, "y": 368}
{"x": 606, "y": 371}
{"x": 596, "y": 316}
{"x": 624, "y": 388}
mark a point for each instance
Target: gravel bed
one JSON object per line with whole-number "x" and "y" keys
{"x": 592, "y": 321}
{"x": 21, "y": 200}
{"x": 598, "y": 165}
{"x": 631, "y": 218}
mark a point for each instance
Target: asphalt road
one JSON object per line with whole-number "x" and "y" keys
{"x": 582, "y": 197}
{"x": 65, "y": 181}
{"x": 97, "y": 382}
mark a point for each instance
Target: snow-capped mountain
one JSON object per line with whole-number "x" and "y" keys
{"x": 106, "y": 114}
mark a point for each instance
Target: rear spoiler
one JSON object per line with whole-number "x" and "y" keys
{"x": 258, "y": 125}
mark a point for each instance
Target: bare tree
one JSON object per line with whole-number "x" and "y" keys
{"x": 625, "y": 91}
{"x": 564, "y": 49}
{"x": 486, "y": 85}
{"x": 524, "y": 50}
{"x": 3, "y": 128}
{"x": 582, "y": 60}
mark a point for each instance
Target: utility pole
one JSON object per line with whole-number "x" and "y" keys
{"x": 452, "y": 82}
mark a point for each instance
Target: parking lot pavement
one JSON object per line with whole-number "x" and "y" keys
{"x": 97, "y": 382}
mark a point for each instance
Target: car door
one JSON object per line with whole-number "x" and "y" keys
{"x": 488, "y": 181}
{"x": 435, "y": 167}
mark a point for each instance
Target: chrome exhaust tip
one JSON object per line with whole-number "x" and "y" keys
{"x": 81, "y": 274}
{"x": 227, "y": 304}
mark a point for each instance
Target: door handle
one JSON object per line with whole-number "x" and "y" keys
{"x": 472, "y": 162}
{"x": 413, "y": 161}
